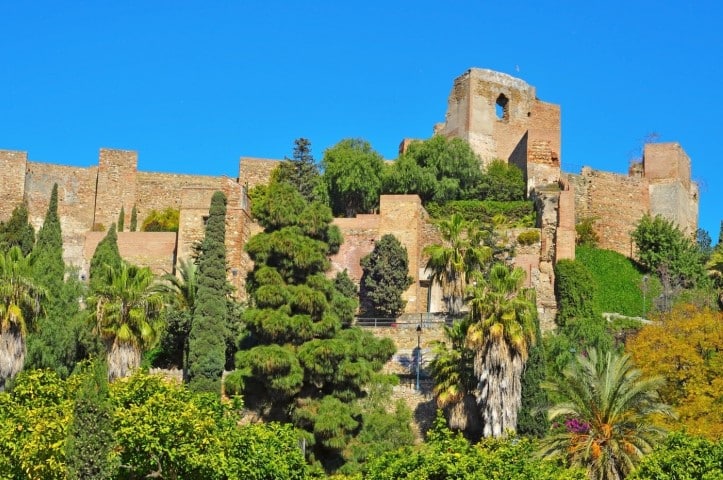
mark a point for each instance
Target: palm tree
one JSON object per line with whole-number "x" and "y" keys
{"x": 452, "y": 368}
{"x": 180, "y": 293}
{"x": 127, "y": 314}
{"x": 19, "y": 303}
{"x": 714, "y": 266}
{"x": 607, "y": 406}
{"x": 502, "y": 330}
{"x": 452, "y": 263}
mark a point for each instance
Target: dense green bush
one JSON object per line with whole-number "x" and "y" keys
{"x": 620, "y": 283}
{"x": 528, "y": 237}
{"x": 165, "y": 221}
{"x": 518, "y": 213}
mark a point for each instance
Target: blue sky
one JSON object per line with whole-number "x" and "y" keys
{"x": 193, "y": 86}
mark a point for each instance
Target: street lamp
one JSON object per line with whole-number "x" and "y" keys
{"x": 419, "y": 352}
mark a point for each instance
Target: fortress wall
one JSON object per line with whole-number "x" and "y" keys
{"x": 256, "y": 171}
{"x": 565, "y": 235}
{"x": 401, "y": 216}
{"x": 665, "y": 162}
{"x": 617, "y": 203}
{"x": 237, "y": 233}
{"x": 76, "y": 197}
{"x": 158, "y": 191}
{"x": 149, "y": 249}
{"x": 12, "y": 181}
{"x": 672, "y": 201}
{"x": 117, "y": 176}
{"x": 359, "y": 233}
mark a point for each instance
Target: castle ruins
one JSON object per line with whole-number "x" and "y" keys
{"x": 499, "y": 115}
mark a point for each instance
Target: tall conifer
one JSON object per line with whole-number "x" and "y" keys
{"x": 207, "y": 338}
{"x": 106, "y": 255}
{"x": 17, "y": 231}
{"x": 134, "y": 219}
{"x": 49, "y": 265}
{"x": 121, "y": 219}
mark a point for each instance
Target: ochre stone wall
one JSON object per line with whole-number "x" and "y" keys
{"x": 256, "y": 171}
{"x": 149, "y": 249}
{"x": 12, "y": 180}
{"x": 116, "y": 185}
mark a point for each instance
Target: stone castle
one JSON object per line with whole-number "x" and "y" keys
{"x": 499, "y": 115}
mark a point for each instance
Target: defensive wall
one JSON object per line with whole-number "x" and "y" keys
{"x": 499, "y": 115}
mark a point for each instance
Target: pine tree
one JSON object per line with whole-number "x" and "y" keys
{"x": 301, "y": 170}
{"x": 17, "y": 231}
{"x": 207, "y": 338}
{"x": 90, "y": 443}
{"x": 134, "y": 219}
{"x": 121, "y": 219}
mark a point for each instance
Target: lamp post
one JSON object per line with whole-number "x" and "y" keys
{"x": 419, "y": 352}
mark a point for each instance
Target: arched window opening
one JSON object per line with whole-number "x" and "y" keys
{"x": 501, "y": 109}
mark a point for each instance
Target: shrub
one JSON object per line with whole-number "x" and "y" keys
{"x": 528, "y": 237}
{"x": 165, "y": 221}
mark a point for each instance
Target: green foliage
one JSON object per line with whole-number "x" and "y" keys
{"x": 17, "y": 231}
{"x": 134, "y": 219}
{"x": 682, "y": 457}
{"x": 532, "y": 418}
{"x": 165, "y": 221}
{"x": 501, "y": 182}
{"x": 575, "y": 289}
{"x": 209, "y": 327}
{"x": 663, "y": 249}
{"x": 483, "y": 212}
{"x": 385, "y": 278}
{"x": 301, "y": 172}
{"x": 449, "y": 456}
{"x": 620, "y": 285}
{"x": 121, "y": 219}
{"x": 90, "y": 445}
{"x": 352, "y": 173}
{"x": 585, "y": 232}
{"x": 528, "y": 237}
{"x": 438, "y": 170}
{"x": 301, "y": 364}
{"x": 48, "y": 251}
{"x": 106, "y": 256}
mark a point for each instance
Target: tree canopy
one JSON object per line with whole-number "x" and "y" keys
{"x": 385, "y": 278}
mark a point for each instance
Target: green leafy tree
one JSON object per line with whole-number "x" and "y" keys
{"x": 209, "y": 325}
{"x": 438, "y": 170}
{"x": 17, "y": 231}
{"x": 682, "y": 457}
{"x": 301, "y": 171}
{"x": 134, "y": 219}
{"x": 48, "y": 251}
{"x": 607, "y": 407}
{"x": 502, "y": 331}
{"x": 352, "y": 173}
{"x": 121, "y": 219}
{"x": 106, "y": 256}
{"x": 20, "y": 298}
{"x": 501, "y": 182}
{"x": 385, "y": 278}
{"x": 663, "y": 248}
{"x": 301, "y": 365}
{"x": 90, "y": 446}
{"x": 126, "y": 312}
{"x": 451, "y": 263}
{"x": 448, "y": 456}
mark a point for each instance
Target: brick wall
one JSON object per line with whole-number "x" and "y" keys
{"x": 149, "y": 249}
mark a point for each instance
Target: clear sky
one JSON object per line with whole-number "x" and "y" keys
{"x": 193, "y": 86}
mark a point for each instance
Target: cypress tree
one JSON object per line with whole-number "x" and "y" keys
{"x": 49, "y": 265}
{"x": 106, "y": 255}
{"x": 17, "y": 231}
{"x": 134, "y": 219}
{"x": 207, "y": 338}
{"x": 90, "y": 442}
{"x": 385, "y": 278}
{"x": 121, "y": 219}
{"x": 532, "y": 418}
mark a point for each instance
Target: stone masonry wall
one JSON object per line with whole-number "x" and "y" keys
{"x": 256, "y": 171}
{"x": 12, "y": 181}
{"x": 149, "y": 249}
{"x": 116, "y": 185}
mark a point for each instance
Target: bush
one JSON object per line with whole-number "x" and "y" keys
{"x": 585, "y": 233}
{"x": 165, "y": 221}
{"x": 528, "y": 237}
{"x": 517, "y": 213}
